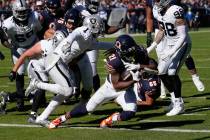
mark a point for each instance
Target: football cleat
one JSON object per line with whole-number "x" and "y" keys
{"x": 55, "y": 123}
{"x": 169, "y": 108}
{"x": 31, "y": 87}
{"x": 178, "y": 108}
{"x": 3, "y": 100}
{"x": 199, "y": 85}
{"x": 32, "y": 118}
{"x": 44, "y": 123}
{"x": 108, "y": 121}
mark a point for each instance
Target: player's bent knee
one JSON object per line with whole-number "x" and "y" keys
{"x": 67, "y": 91}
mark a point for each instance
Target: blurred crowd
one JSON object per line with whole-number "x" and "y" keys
{"x": 136, "y": 22}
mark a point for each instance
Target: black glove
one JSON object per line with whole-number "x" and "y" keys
{"x": 149, "y": 39}
{"x": 1, "y": 56}
{"x": 12, "y": 76}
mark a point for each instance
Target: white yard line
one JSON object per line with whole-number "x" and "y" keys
{"x": 127, "y": 129}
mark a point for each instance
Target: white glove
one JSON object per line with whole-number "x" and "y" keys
{"x": 131, "y": 67}
{"x": 135, "y": 75}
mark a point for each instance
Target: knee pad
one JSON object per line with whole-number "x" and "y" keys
{"x": 127, "y": 115}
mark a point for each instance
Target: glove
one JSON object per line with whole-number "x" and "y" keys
{"x": 12, "y": 76}
{"x": 131, "y": 67}
{"x": 135, "y": 75}
{"x": 149, "y": 39}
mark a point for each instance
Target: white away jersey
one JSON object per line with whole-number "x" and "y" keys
{"x": 168, "y": 23}
{"x": 75, "y": 44}
{"x": 23, "y": 36}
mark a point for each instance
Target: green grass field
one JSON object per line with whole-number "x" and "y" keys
{"x": 152, "y": 124}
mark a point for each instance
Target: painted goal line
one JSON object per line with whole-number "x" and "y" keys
{"x": 118, "y": 129}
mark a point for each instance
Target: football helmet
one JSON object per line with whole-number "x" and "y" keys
{"x": 72, "y": 16}
{"x": 20, "y": 10}
{"x": 53, "y": 4}
{"x": 92, "y": 6}
{"x": 95, "y": 24}
{"x": 163, "y": 4}
{"x": 125, "y": 46}
{"x": 58, "y": 36}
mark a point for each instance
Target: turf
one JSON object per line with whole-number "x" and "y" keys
{"x": 147, "y": 124}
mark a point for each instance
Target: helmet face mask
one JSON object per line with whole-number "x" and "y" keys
{"x": 93, "y": 5}
{"x": 20, "y": 10}
{"x": 72, "y": 18}
{"x": 163, "y": 4}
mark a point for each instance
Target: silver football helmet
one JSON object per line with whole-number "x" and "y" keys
{"x": 93, "y": 5}
{"x": 95, "y": 24}
{"x": 58, "y": 36}
{"x": 162, "y": 4}
{"x": 20, "y": 10}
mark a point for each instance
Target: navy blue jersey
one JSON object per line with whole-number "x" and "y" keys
{"x": 115, "y": 61}
{"x": 151, "y": 85}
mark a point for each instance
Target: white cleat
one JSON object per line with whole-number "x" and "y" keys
{"x": 199, "y": 85}
{"x": 44, "y": 123}
{"x": 169, "y": 108}
{"x": 178, "y": 108}
{"x": 31, "y": 87}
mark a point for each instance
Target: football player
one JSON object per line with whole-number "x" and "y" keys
{"x": 151, "y": 15}
{"x": 86, "y": 8}
{"x": 50, "y": 15}
{"x": 148, "y": 87}
{"x": 81, "y": 39}
{"x": 118, "y": 84}
{"x": 36, "y": 67}
{"x": 21, "y": 28}
{"x": 177, "y": 45}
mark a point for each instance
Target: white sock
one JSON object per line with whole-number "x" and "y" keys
{"x": 51, "y": 107}
{"x": 195, "y": 76}
{"x": 115, "y": 117}
{"x": 172, "y": 96}
{"x": 63, "y": 118}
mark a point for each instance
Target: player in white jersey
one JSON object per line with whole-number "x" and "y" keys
{"x": 36, "y": 67}
{"x": 152, "y": 14}
{"x": 87, "y": 8}
{"x": 177, "y": 45}
{"x": 81, "y": 39}
{"x": 21, "y": 28}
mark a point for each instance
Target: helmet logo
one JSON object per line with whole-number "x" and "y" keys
{"x": 93, "y": 21}
{"x": 118, "y": 45}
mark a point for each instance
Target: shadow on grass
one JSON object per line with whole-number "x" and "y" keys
{"x": 138, "y": 125}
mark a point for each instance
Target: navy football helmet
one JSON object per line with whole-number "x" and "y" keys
{"x": 53, "y": 4}
{"x": 125, "y": 46}
{"x": 73, "y": 17}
